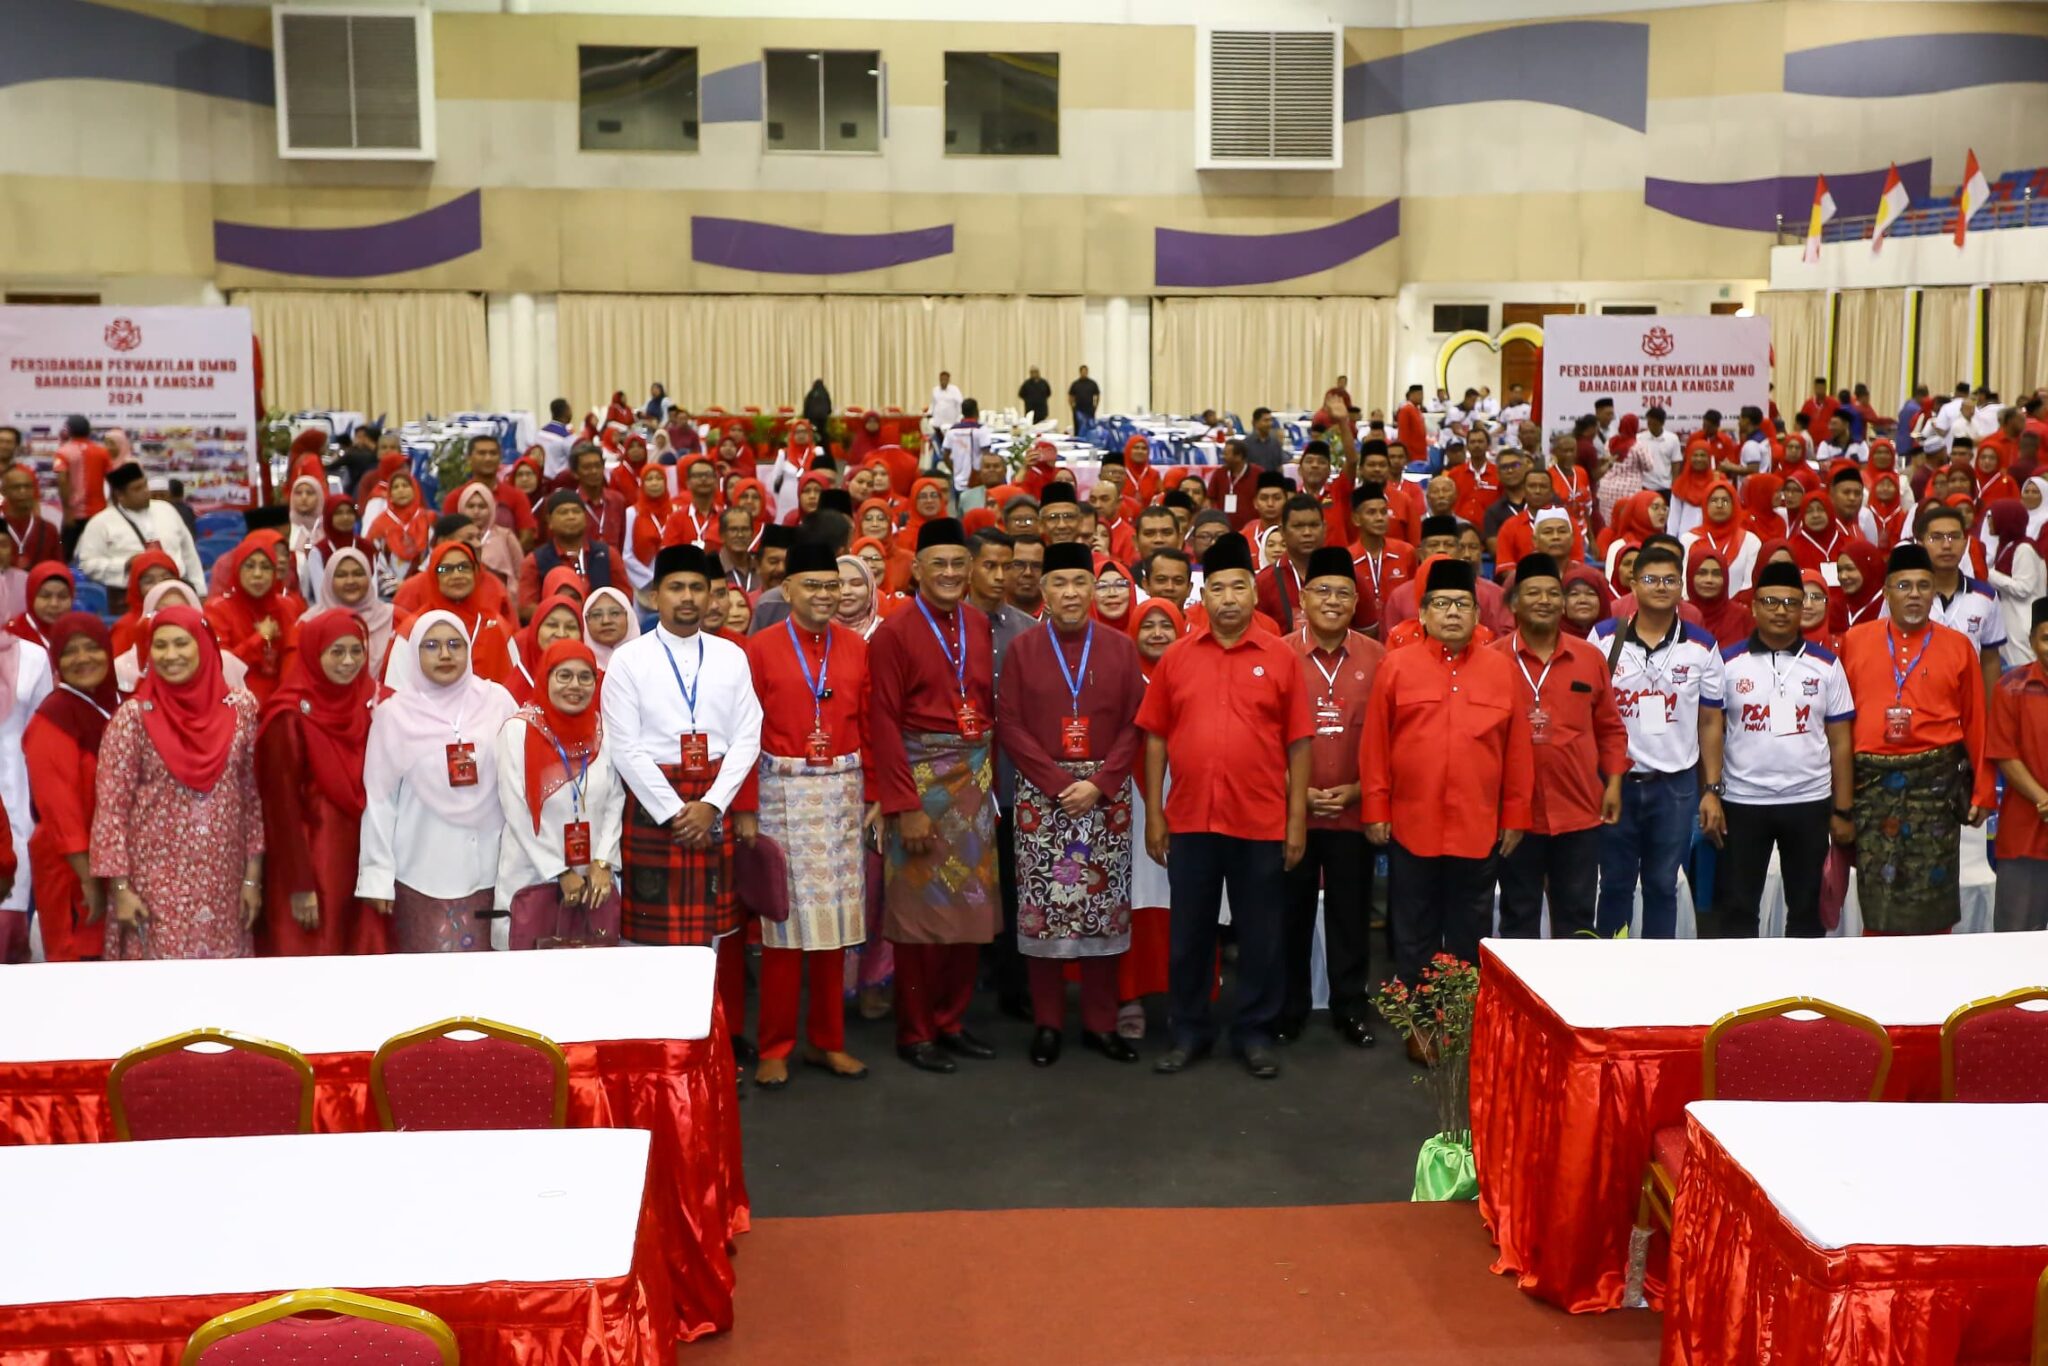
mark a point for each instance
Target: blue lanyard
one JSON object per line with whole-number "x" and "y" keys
{"x": 817, "y": 685}
{"x": 1073, "y": 677}
{"x": 577, "y": 783}
{"x": 689, "y": 693}
{"x": 1899, "y": 679}
{"x": 959, "y": 661}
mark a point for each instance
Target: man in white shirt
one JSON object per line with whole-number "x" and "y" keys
{"x": 1489, "y": 406}
{"x": 1666, "y": 676}
{"x": 129, "y": 524}
{"x": 1660, "y": 446}
{"x": 944, "y": 409}
{"x": 1785, "y": 762}
{"x": 1755, "y": 438}
{"x": 1516, "y": 409}
{"x": 965, "y": 441}
{"x": 1840, "y": 445}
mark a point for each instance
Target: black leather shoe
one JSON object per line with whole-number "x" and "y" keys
{"x": 1260, "y": 1062}
{"x": 1045, "y": 1047}
{"x": 965, "y": 1045}
{"x": 1178, "y": 1059}
{"x": 1115, "y": 1047}
{"x": 744, "y": 1052}
{"x": 925, "y": 1057}
{"x": 1287, "y": 1031}
{"x": 1357, "y": 1033}
{"x": 1017, "y": 1007}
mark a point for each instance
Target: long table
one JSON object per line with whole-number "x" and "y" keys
{"x": 1857, "y": 1233}
{"x": 1582, "y": 1049}
{"x": 645, "y": 1048}
{"x": 534, "y": 1245}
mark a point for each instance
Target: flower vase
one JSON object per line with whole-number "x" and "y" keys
{"x": 1444, "y": 1170}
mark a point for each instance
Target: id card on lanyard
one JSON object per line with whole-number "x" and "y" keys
{"x": 818, "y": 744}
{"x": 696, "y": 755}
{"x": 576, "y": 830}
{"x": 1329, "y": 716}
{"x": 1898, "y": 717}
{"x": 1073, "y": 726}
{"x": 973, "y": 725}
{"x": 1539, "y": 715}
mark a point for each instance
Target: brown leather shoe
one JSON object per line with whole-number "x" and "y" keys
{"x": 771, "y": 1074}
{"x": 843, "y": 1065}
{"x": 877, "y": 1003}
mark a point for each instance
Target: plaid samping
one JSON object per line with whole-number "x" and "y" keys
{"x": 669, "y": 894}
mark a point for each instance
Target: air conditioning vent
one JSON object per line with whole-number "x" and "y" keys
{"x": 1270, "y": 99}
{"x": 354, "y": 84}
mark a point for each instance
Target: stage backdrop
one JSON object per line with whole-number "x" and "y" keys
{"x": 1685, "y": 365}
{"x": 179, "y": 381}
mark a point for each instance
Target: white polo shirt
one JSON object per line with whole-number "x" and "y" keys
{"x": 1756, "y": 452}
{"x": 1779, "y": 706}
{"x": 1973, "y": 611}
{"x": 1671, "y": 682}
{"x": 1828, "y": 452}
{"x": 1662, "y": 452}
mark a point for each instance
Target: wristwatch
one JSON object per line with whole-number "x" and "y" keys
{"x": 1845, "y": 813}
{"x": 1714, "y": 788}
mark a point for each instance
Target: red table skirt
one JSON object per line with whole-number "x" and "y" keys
{"x": 627, "y": 1320}
{"x": 681, "y": 1091}
{"x": 1561, "y": 1126}
{"x": 1747, "y": 1287}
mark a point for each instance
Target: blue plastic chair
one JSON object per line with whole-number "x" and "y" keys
{"x": 218, "y": 523}
{"x": 89, "y": 596}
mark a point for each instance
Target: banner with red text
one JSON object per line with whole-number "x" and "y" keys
{"x": 1682, "y": 364}
{"x": 178, "y": 381}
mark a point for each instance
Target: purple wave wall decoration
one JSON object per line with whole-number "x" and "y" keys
{"x": 1597, "y": 67}
{"x": 772, "y": 249}
{"x": 1916, "y": 64}
{"x": 1756, "y": 204}
{"x": 1217, "y": 260}
{"x": 432, "y": 238}
{"x": 52, "y": 40}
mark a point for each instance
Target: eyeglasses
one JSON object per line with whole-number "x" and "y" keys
{"x": 455, "y": 567}
{"x": 1657, "y": 580}
{"x": 1451, "y": 605}
{"x": 1943, "y": 537}
{"x": 1781, "y": 604}
{"x": 1328, "y": 591}
{"x": 1911, "y": 589}
{"x": 1051, "y": 517}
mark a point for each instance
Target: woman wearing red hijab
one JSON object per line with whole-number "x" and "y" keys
{"x": 309, "y": 749}
{"x": 867, "y": 438}
{"x": 1813, "y": 617}
{"x": 646, "y": 524}
{"x": 61, "y": 745}
{"x": 558, "y": 618}
{"x": 451, "y": 586}
{"x": 809, "y": 490}
{"x": 1818, "y": 538}
{"x": 253, "y": 620}
{"x": 177, "y": 824}
{"x": 2016, "y": 573}
{"x": 50, "y": 591}
{"x": 1114, "y": 590}
{"x": 1988, "y": 473}
{"x": 1759, "y": 506}
{"x": 1636, "y": 518}
{"x": 1725, "y": 531}
{"x": 624, "y": 477}
{"x": 927, "y": 501}
{"x": 145, "y": 572}
{"x": 1138, "y": 463}
{"x": 1858, "y": 595}
{"x": 1588, "y": 600}
{"x": 339, "y": 530}
{"x": 1887, "y": 509}
{"x": 873, "y": 520}
{"x": 1155, "y": 624}
{"x": 1706, "y": 586}
{"x": 528, "y": 476}
{"x": 405, "y": 528}
{"x": 1689, "y": 490}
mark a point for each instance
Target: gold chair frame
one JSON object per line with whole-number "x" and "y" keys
{"x": 2040, "y": 1353}
{"x": 1970, "y": 1011}
{"x": 346, "y": 1303}
{"x": 179, "y": 1042}
{"x": 540, "y": 1043}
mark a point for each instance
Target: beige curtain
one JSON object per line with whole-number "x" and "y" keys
{"x": 406, "y": 354}
{"x": 1237, "y": 354}
{"x": 763, "y": 350}
{"x": 2013, "y": 359}
{"x": 1870, "y": 337}
{"x": 1799, "y": 337}
{"x": 1944, "y": 339}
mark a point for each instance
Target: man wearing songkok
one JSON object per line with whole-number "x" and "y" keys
{"x": 1337, "y": 668}
{"x": 1785, "y": 763}
{"x": 931, "y": 727}
{"x": 1581, "y": 752}
{"x": 1268, "y": 500}
{"x": 1920, "y": 770}
{"x": 1065, "y": 717}
{"x": 1403, "y": 602}
{"x": 2018, "y": 743}
{"x": 1059, "y": 514}
{"x": 1302, "y": 530}
{"x": 129, "y": 524}
{"x": 1227, "y": 709}
{"x": 811, "y": 674}
{"x": 1444, "y": 732}
{"x": 1666, "y": 676}
{"x": 1379, "y": 562}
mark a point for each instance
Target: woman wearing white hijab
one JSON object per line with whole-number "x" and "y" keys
{"x": 2034, "y": 495}
{"x": 609, "y": 621}
{"x": 132, "y": 665}
{"x": 352, "y": 586}
{"x": 431, "y": 820}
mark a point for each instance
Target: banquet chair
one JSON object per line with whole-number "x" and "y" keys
{"x": 1996, "y": 1049}
{"x": 208, "y": 1083}
{"x": 468, "y": 1073}
{"x": 323, "y": 1328}
{"x": 1762, "y": 1052}
{"x": 2040, "y": 1353}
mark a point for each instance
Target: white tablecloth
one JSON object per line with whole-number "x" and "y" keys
{"x": 90, "y": 1221}
{"x": 56, "y": 1012}
{"x": 1918, "y": 980}
{"x": 1894, "y": 1175}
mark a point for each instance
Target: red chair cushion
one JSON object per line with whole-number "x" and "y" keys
{"x": 324, "y": 1340}
{"x": 2002, "y": 1055}
{"x": 1667, "y": 1150}
{"x": 482, "y": 1083}
{"x": 192, "y": 1094}
{"x": 1782, "y": 1058}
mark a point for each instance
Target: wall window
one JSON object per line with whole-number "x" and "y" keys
{"x": 1629, "y": 310}
{"x": 638, "y": 99}
{"x": 1003, "y": 104}
{"x": 1461, "y": 318}
{"x": 823, "y": 101}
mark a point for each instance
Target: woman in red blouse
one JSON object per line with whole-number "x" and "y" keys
{"x": 62, "y": 746}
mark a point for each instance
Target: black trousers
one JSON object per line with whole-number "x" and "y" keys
{"x": 1799, "y": 832}
{"x": 1435, "y": 905}
{"x": 1339, "y": 864}
{"x": 1566, "y": 866}
{"x": 1005, "y": 965}
{"x": 1198, "y": 867}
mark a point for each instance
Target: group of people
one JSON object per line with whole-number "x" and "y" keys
{"x": 654, "y": 697}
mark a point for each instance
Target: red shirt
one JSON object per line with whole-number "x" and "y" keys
{"x": 1518, "y": 538}
{"x": 1245, "y": 487}
{"x": 607, "y": 518}
{"x": 1945, "y": 692}
{"x": 2018, "y": 730}
{"x": 87, "y": 463}
{"x": 1228, "y": 715}
{"x": 1724, "y": 447}
{"x": 1279, "y": 593}
{"x": 1574, "y": 490}
{"x": 1584, "y": 740}
{"x": 1379, "y": 575}
{"x": 1450, "y": 735}
{"x": 914, "y": 685}
{"x": 1477, "y": 490}
{"x": 1405, "y": 510}
{"x": 789, "y": 713}
{"x": 36, "y": 543}
{"x": 1411, "y": 431}
{"x": 1339, "y": 686}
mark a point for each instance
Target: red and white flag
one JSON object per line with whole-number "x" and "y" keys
{"x": 1974, "y": 195}
{"x": 1891, "y": 206}
{"x": 1823, "y": 210}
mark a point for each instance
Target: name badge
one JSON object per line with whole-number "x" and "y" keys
{"x": 576, "y": 843}
{"x": 1831, "y": 573}
{"x": 1329, "y": 719}
{"x": 973, "y": 725}
{"x": 1897, "y": 721}
{"x": 1784, "y": 715}
{"x": 1539, "y": 725}
{"x": 1230, "y": 502}
{"x": 818, "y": 749}
{"x": 1074, "y": 737}
{"x": 1650, "y": 713}
{"x": 696, "y": 754}
{"x": 462, "y": 765}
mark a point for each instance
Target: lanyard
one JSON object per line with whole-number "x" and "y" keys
{"x": 1778, "y": 679}
{"x": 20, "y": 541}
{"x": 958, "y": 661}
{"x": 576, "y": 783}
{"x": 1898, "y": 678}
{"x": 689, "y": 693}
{"x": 818, "y": 685}
{"x": 1372, "y": 567}
{"x": 1329, "y": 675}
{"x": 105, "y": 715}
{"x": 1656, "y": 676}
{"x": 1072, "y": 677}
{"x": 1536, "y": 683}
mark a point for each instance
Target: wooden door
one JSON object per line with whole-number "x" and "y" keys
{"x": 1518, "y": 358}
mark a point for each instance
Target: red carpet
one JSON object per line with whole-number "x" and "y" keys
{"x": 1135, "y": 1287}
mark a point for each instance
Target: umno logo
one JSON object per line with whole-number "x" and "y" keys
{"x": 123, "y": 334}
{"x": 1659, "y": 343}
